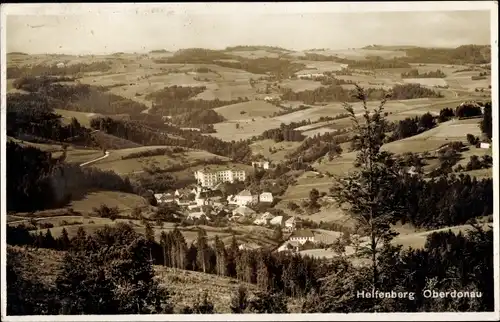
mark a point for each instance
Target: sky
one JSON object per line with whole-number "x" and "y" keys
{"x": 108, "y": 32}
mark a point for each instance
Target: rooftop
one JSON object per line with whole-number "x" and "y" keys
{"x": 245, "y": 193}
{"x": 302, "y": 233}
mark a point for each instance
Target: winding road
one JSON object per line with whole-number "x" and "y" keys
{"x": 106, "y": 154}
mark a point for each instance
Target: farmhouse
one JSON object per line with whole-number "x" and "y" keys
{"x": 485, "y": 145}
{"x": 211, "y": 178}
{"x": 60, "y": 65}
{"x": 245, "y": 197}
{"x": 261, "y": 164}
{"x": 289, "y": 246}
{"x": 302, "y": 236}
{"x": 190, "y": 129}
{"x": 291, "y": 224}
{"x": 247, "y": 247}
{"x": 164, "y": 197}
{"x": 276, "y": 221}
{"x": 197, "y": 215}
{"x": 310, "y": 76}
{"x": 266, "y": 197}
{"x": 208, "y": 197}
{"x": 264, "y": 219}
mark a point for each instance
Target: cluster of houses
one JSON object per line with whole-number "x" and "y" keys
{"x": 267, "y": 219}
{"x": 310, "y": 76}
{"x": 197, "y": 199}
{"x": 207, "y": 201}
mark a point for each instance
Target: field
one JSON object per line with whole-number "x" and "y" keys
{"x": 355, "y": 53}
{"x": 241, "y": 128}
{"x": 116, "y": 163}
{"x": 407, "y": 239}
{"x": 426, "y": 81}
{"x": 188, "y": 286}
{"x": 254, "y": 54}
{"x": 313, "y": 67}
{"x": 298, "y": 85}
{"x": 455, "y": 130}
{"x": 247, "y": 110}
{"x": 283, "y": 148}
{"x": 82, "y": 118}
{"x": 124, "y": 201}
{"x": 306, "y": 183}
{"x": 73, "y": 155}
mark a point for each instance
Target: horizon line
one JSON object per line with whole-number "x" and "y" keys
{"x": 143, "y": 51}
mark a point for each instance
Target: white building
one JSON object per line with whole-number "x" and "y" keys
{"x": 245, "y": 198}
{"x": 264, "y": 219}
{"x": 302, "y": 236}
{"x": 272, "y": 98}
{"x": 485, "y": 145}
{"x": 261, "y": 164}
{"x": 290, "y": 246}
{"x": 291, "y": 224}
{"x": 276, "y": 221}
{"x": 197, "y": 215}
{"x": 211, "y": 178}
{"x": 164, "y": 198}
{"x": 310, "y": 76}
{"x": 207, "y": 197}
{"x": 60, "y": 65}
{"x": 266, "y": 197}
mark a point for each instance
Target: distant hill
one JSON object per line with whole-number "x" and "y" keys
{"x": 267, "y": 48}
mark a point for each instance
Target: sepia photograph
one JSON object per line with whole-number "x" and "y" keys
{"x": 220, "y": 161}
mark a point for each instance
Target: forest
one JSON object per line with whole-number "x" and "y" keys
{"x": 145, "y": 135}
{"x": 66, "y": 70}
{"x": 36, "y": 181}
{"x": 335, "y": 93}
{"x": 177, "y": 102}
{"x": 414, "y": 73}
{"x": 103, "y": 261}
{"x": 31, "y": 116}
{"x": 462, "y": 55}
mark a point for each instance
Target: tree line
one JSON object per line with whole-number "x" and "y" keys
{"x": 116, "y": 257}
{"x": 36, "y": 181}
{"x": 142, "y": 134}
{"x": 179, "y": 104}
{"x": 54, "y": 69}
{"x": 414, "y": 73}
{"x": 335, "y": 93}
{"x": 462, "y": 55}
{"x": 31, "y": 116}
{"x": 268, "y": 270}
{"x": 78, "y": 97}
{"x": 318, "y": 146}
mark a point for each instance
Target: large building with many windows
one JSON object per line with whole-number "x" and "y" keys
{"x": 211, "y": 178}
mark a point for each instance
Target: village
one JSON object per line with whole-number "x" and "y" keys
{"x": 205, "y": 203}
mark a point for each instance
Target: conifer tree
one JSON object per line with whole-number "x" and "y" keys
{"x": 202, "y": 246}
{"x": 239, "y": 300}
{"x": 369, "y": 191}
{"x": 63, "y": 241}
{"x": 220, "y": 251}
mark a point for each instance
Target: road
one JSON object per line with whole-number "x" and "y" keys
{"x": 106, "y": 154}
